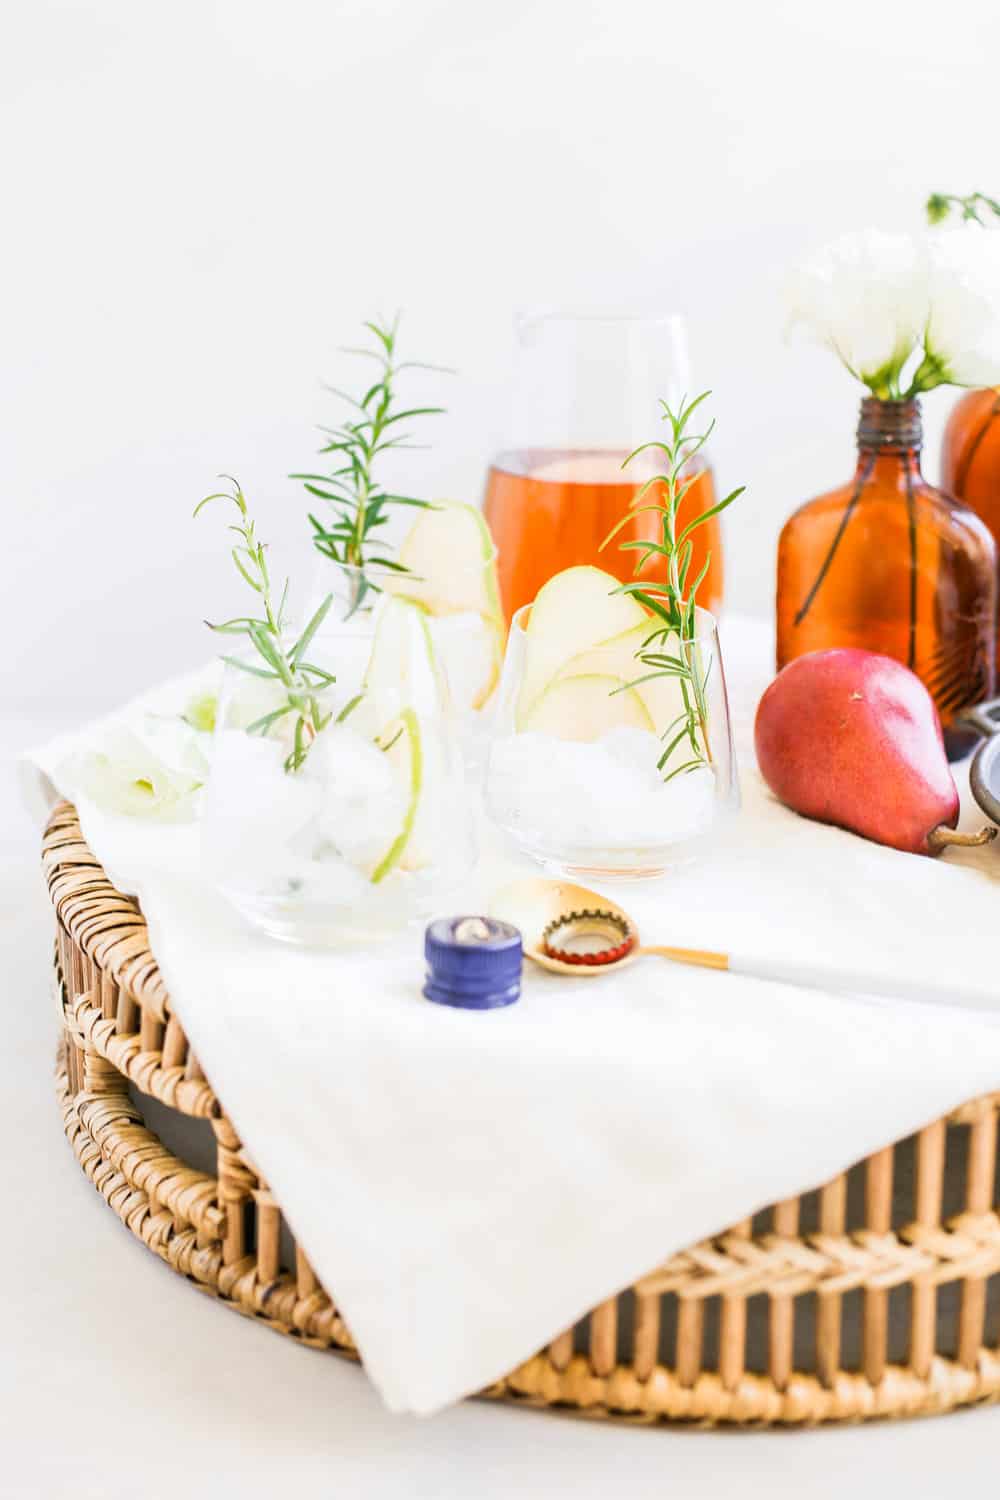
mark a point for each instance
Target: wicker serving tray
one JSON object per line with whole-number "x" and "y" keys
{"x": 875, "y": 1295}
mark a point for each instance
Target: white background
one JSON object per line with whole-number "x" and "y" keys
{"x": 200, "y": 203}
{"x": 202, "y": 200}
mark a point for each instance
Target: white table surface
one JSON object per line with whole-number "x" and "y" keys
{"x": 118, "y": 1379}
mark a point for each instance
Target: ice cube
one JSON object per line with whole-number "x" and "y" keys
{"x": 362, "y": 802}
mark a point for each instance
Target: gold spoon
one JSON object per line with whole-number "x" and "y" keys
{"x": 573, "y": 931}
{"x": 556, "y": 917}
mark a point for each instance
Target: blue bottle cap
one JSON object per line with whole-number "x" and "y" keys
{"x": 472, "y": 962}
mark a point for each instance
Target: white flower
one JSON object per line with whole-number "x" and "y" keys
{"x": 962, "y": 340}
{"x": 126, "y": 776}
{"x": 865, "y": 297}
{"x": 201, "y": 711}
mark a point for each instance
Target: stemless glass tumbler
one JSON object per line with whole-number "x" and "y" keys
{"x": 596, "y": 774}
{"x": 373, "y": 828}
{"x": 586, "y": 392}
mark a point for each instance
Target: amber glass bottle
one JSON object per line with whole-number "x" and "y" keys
{"x": 890, "y": 564}
{"x": 970, "y": 456}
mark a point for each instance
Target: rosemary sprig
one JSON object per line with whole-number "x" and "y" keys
{"x": 358, "y": 505}
{"x": 301, "y": 680}
{"x": 671, "y": 650}
{"x": 940, "y": 205}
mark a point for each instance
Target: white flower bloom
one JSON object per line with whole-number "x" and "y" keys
{"x": 201, "y": 711}
{"x": 126, "y": 776}
{"x": 865, "y": 297}
{"x": 962, "y": 340}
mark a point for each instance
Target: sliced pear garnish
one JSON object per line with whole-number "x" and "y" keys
{"x": 404, "y": 693}
{"x": 587, "y": 707}
{"x": 577, "y": 609}
{"x": 660, "y": 693}
{"x": 402, "y": 668}
{"x": 401, "y": 741}
{"x": 450, "y": 560}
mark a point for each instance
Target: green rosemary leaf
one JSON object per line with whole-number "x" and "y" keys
{"x": 638, "y": 590}
{"x": 264, "y": 643}
{"x": 645, "y": 448}
{"x": 702, "y": 575}
{"x": 321, "y": 494}
{"x": 310, "y": 630}
{"x": 626, "y": 687}
{"x": 245, "y": 666}
{"x": 385, "y": 336}
{"x": 685, "y": 555}
{"x": 664, "y": 659}
{"x": 666, "y": 669}
{"x": 655, "y": 482}
{"x": 334, "y": 390}
{"x": 254, "y": 584}
{"x": 322, "y": 677}
{"x": 237, "y": 626}
{"x": 349, "y": 707}
{"x": 362, "y": 353}
{"x": 648, "y": 550}
{"x": 422, "y": 364}
{"x": 414, "y": 411}
{"x": 706, "y": 515}
{"x": 263, "y": 724}
{"x": 640, "y": 546}
{"x": 689, "y": 765}
{"x": 680, "y": 719}
{"x": 668, "y": 752}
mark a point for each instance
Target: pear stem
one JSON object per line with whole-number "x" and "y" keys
{"x": 942, "y": 838}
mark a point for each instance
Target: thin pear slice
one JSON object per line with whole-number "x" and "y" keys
{"x": 471, "y": 651}
{"x": 402, "y": 684}
{"x": 450, "y": 558}
{"x": 451, "y": 561}
{"x": 587, "y": 707}
{"x": 575, "y": 610}
{"x": 402, "y": 743}
{"x": 661, "y": 694}
{"x": 402, "y": 668}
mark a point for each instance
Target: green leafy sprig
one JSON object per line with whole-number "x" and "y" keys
{"x": 358, "y": 504}
{"x": 301, "y": 681}
{"x": 671, "y": 649}
{"x": 972, "y": 207}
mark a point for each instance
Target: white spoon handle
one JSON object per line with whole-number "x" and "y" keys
{"x": 820, "y": 976}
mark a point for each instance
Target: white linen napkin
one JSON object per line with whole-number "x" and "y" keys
{"x": 467, "y": 1185}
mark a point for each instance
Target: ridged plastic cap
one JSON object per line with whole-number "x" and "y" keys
{"x": 472, "y": 962}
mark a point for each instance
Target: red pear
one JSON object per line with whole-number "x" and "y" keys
{"x": 853, "y": 738}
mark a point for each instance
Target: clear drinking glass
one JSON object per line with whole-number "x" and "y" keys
{"x": 375, "y": 828}
{"x": 468, "y": 644}
{"x": 586, "y": 392}
{"x": 572, "y": 774}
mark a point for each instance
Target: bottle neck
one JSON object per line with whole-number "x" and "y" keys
{"x": 889, "y": 431}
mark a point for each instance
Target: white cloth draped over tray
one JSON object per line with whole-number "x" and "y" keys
{"x": 466, "y": 1185}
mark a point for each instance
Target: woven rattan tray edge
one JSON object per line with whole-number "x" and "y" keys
{"x": 223, "y": 1231}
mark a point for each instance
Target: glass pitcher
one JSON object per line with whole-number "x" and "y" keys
{"x": 586, "y": 392}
